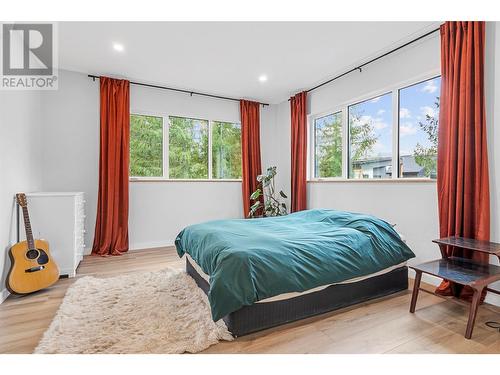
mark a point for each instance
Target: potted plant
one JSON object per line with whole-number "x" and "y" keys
{"x": 266, "y": 192}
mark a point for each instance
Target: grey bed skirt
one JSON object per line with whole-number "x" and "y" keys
{"x": 264, "y": 315}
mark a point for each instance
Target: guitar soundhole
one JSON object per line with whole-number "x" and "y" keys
{"x": 32, "y": 253}
{"x": 43, "y": 258}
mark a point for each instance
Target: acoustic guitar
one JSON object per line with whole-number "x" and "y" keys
{"x": 32, "y": 267}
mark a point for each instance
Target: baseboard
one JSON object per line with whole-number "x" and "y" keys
{"x": 491, "y": 298}
{"x": 149, "y": 245}
{"x": 4, "y": 294}
{"x": 140, "y": 246}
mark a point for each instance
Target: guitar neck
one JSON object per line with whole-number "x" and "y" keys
{"x": 27, "y": 227}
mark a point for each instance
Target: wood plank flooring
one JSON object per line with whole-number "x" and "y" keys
{"x": 380, "y": 326}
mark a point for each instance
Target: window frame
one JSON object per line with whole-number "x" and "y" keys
{"x": 344, "y": 108}
{"x": 165, "y": 149}
{"x": 348, "y": 134}
{"x": 211, "y": 151}
{"x": 164, "y": 166}
{"x": 312, "y": 143}
{"x": 399, "y": 137}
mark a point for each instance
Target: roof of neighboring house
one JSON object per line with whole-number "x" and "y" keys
{"x": 375, "y": 159}
{"x": 409, "y": 163}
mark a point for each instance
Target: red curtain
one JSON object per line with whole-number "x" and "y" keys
{"x": 111, "y": 229}
{"x": 250, "y": 150}
{"x": 299, "y": 151}
{"x": 462, "y": 182}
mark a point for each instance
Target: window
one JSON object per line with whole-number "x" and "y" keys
{"x": 226, "y": 150}
{"x": 418, "y": 129}
{"x": 174, "y": 147}
{"x": 328, "y": 146}
{"x": 146, "y": 146}
{"x": 188, "y": 148}
{"x": 370, "y": 138}
{"x": 382, "y": 142}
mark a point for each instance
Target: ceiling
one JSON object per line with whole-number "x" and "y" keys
{"x": 226, "y": 58}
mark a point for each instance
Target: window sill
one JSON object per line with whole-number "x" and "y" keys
{"x": 160, "y": 179}
{"x": 373, "y": 180}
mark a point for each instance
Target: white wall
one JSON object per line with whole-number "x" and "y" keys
{"x": 71, "y": 141}
{"x": 492, "y": 94}
{"x": 158, "y": 210}
{"x": 275, "y": 144}
{"x": 20, "y": 164}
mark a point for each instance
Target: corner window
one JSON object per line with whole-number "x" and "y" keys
{"x": 382, "y": 142}
{"x": 370, "y": 138}
{"x": 418, "y": 129}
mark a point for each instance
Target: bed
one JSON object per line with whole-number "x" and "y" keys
{"x": 260, "y": 273}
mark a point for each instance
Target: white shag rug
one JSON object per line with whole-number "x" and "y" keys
{"x": 150, "y": 312}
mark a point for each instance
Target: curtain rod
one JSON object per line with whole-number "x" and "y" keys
{"x": 373, "y": 60}
{"x": 190, "y": 92}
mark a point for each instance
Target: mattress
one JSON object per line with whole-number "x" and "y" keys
{"x": 285, "y": 296}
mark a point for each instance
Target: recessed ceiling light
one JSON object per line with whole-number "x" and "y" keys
{"x": 118, "y": 47}
{"x": 262, "y": 78}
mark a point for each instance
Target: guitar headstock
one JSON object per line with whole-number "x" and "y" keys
{"x": 21, "y": 199}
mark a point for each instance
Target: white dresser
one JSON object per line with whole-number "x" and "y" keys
{"x": 59, "y": 218}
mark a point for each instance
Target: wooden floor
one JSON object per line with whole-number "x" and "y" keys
{"x": 380, "y": 326}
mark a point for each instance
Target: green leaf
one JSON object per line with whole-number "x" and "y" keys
{"x": 255, "y": 206}
{"x": 256, "y": 194}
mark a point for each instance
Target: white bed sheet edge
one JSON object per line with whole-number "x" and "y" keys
{"x": 284, "y": 296}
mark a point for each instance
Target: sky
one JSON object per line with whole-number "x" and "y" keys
{"x": 414, "y": 103}
{"x": 377, "y": 111}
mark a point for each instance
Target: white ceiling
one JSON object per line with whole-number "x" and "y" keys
{"x": 227, "y": 58}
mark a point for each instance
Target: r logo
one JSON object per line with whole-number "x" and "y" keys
{"x": 28, "y": 50}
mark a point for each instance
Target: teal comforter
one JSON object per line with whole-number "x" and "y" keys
{"x": 250, "y": 260}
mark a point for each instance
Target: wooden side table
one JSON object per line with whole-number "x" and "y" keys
{"x": 461, "y": 271}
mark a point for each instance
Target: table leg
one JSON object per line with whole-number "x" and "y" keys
{"x": 443, "y": 249}
{"x": 473, "y": 311}
{"x": 416, "y": 287}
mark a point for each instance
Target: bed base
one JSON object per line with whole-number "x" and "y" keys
{"x": 265, "y": 315}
